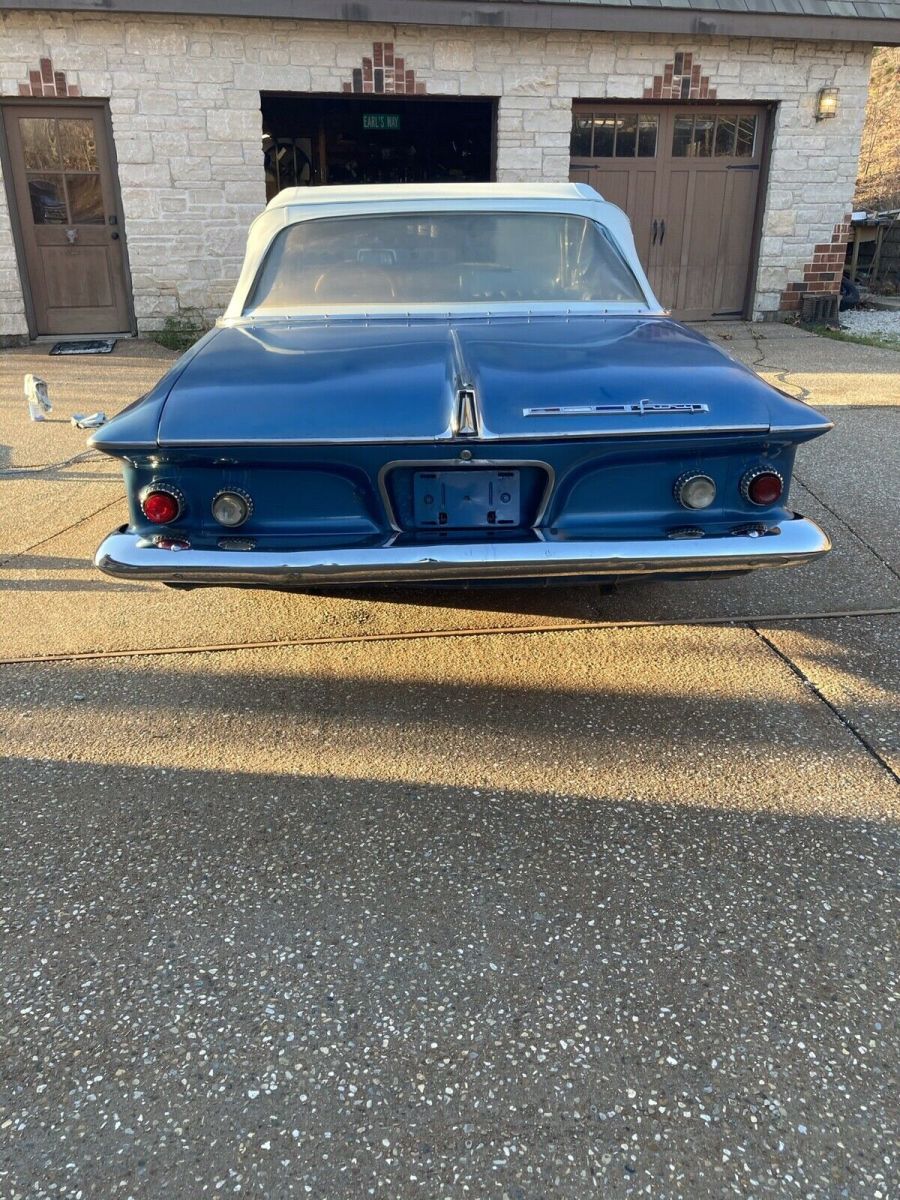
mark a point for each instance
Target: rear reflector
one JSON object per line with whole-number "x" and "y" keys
{"x": 232, "y": 507}
{"x": 695, "y": 490}
{"x": 762, "y": 487}
{"x": 161, "y": 505}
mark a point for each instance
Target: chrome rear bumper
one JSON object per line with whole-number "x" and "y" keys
{"x": 128, "y": 556}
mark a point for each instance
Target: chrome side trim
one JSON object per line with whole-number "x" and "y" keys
{"x": 797, "y": 540}
{"x": 464, "y": 461}
{"x": 567, "y": 435}
{"x": 468, "y": 418}
{"x": 122, "y": 447}
{"x": 791, "y": 431}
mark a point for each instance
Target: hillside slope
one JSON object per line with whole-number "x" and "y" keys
{"x": 878, "y": 185}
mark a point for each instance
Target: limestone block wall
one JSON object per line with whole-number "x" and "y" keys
{"x": 184, "y": 97}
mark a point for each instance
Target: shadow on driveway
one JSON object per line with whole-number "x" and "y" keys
{"x": 345, "y": 985}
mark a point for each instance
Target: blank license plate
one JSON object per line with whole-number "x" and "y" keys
{"x": 466, "y": 499}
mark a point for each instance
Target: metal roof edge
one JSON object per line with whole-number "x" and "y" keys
{"x": 511, "y": 14}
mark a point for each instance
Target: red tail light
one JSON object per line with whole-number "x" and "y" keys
{"x": 762, "y": 486}
{"x": 161, "y": 505}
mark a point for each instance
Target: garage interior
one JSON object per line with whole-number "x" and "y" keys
{"x": 311, "y": 140}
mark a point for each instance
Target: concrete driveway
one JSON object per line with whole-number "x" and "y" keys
{"x": 536, "y": 894}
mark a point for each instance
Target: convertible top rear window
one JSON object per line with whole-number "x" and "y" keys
{"x": 443, "y": 258}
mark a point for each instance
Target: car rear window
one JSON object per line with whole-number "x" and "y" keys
{"x": 443, "y": 258}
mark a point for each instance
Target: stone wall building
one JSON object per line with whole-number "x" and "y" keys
{"x": 139, "y": 144}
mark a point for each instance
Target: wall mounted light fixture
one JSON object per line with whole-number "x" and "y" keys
{"x": 827, "y": 103}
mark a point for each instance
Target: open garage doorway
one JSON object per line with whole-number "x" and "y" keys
{"x": 311, "y": 140}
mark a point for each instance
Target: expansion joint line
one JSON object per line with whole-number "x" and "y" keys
{"x": 837, "y": 516}
{"x": 5, "y": 562}
{"x": 820, "y": 695}
{"x": 409, "y": 635}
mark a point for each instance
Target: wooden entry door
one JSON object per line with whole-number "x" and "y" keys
{"x": 65, "y": 196}
{"x": 688, "y": 178}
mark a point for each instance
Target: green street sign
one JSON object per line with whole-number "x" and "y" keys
{"x": 381, "y": 120}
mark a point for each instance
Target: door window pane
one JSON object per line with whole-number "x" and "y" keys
{"x": 626, "y": 135}
{"x": 85, "y": 199}
{"x": 725, "y": 130}
{"x": 78, "y": 145}
{"x": 604, "y": 136}
{"x": 693, "y": 137}
{"x": 48, "y": 200}
{"x": 702, "y": 141}
{"x": 647, "y": 137}
{"x": 581, "y": 137}
{"x": 746, "y": 136}
{"x": 681, "y": 138}
{"x": 620, "y": 135}
{"x": 39, "y": 144}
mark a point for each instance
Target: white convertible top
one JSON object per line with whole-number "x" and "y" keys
{"x": 379, "y": 193}
{"x": 293, "y": 205}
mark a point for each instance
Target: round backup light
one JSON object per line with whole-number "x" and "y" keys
{"x": 161, "y": 505}
{"x": 762, "y": 486}
{"x": 231, "y": 507}
{"x": 695, "y": 491}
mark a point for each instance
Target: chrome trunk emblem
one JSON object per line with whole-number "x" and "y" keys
{"x": 638, "y": 408}
{"x": 465, "y": 416}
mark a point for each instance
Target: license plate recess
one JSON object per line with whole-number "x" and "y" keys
{"x": 464, "y": 499}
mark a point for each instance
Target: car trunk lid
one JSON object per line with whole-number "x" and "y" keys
{"x": 389, "y": 380}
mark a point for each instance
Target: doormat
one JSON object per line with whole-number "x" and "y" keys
{"x": 103, "y": 346}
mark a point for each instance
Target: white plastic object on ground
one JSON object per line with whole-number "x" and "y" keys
{"x": 38, "y": 398}
{"x": 90, "y": 422}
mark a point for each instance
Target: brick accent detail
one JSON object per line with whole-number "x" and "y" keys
{"x": 383, "y": 75}
{"x": 47, "y": 81}
{"x": 822, "y": 274}
{"x": 682, "y": 79}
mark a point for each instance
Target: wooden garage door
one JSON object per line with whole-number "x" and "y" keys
{"x": 688, "y": 177}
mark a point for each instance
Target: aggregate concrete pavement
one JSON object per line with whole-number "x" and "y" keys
{"x": 597, "y": 913}
{"x": 591, "y": 911}
{"x": 77, "y": 384}
{"x": 855, "y": 665}
{"x": 825, "y": 371}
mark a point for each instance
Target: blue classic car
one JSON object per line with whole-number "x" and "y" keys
{"x": 453, "y": 383}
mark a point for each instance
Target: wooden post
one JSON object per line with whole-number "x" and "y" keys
{"x": 855, "y": 256}
{"x": 876, "y": 257}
